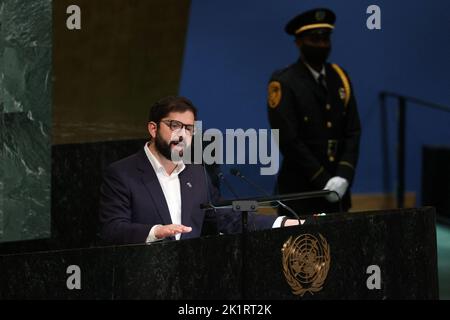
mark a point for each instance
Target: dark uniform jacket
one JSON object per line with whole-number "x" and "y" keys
{"x": 319, "y": 132}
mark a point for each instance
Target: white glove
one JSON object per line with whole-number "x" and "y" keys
{"x": 337, "y": 184}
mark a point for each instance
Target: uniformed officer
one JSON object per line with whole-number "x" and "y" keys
{"x": 311, "y": 102}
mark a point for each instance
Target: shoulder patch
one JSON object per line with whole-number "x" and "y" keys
{"x": 274, "y": 94}
{"x": 344, "y": 92}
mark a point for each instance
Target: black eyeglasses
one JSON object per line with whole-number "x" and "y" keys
{"x": 175, "y": 125}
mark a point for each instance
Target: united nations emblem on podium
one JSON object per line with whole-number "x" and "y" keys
{"x": 306, "y": 261}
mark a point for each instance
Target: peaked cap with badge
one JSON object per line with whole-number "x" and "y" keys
{"x": 311, "y": 20}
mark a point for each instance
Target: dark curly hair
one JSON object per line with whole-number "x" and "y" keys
{"x": 163, "y": 107}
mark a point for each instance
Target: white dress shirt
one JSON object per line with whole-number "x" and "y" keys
{"x": 316, "y": 74}
{"x": 170, "y": 185}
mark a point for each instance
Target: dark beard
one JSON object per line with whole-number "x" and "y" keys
{"x": 163, "y": 147}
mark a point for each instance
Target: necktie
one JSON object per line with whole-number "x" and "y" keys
{"x": 322, "y": 83}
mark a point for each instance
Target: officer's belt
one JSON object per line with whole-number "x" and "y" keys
{"x": 327, "y": 147}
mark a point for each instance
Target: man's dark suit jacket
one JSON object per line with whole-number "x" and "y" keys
{"x": 132, "y": 201}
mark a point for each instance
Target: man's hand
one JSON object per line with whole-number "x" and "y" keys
{"x": 337, "y": 184}
{"x": 170, "y": 230}
{"x": 293, "y": 222}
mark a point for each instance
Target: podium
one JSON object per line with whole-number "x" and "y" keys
{"x": 366, "y": 255}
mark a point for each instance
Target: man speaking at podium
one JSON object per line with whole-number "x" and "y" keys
{"x": 149, "y": 196}
{"x": 312, "y": 104}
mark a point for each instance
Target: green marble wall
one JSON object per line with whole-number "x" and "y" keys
{"x": 25, "y": 118}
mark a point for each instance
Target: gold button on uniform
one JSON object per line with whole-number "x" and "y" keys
{"x": 329, "y": 124}
{"x": 331, "y": 158}
{"x": 328, "y": 107}
{"x": 306, "y": 119}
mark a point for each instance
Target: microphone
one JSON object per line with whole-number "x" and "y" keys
{"x": 210, "y": 223}
{"x": 237, "y": 173}
{"x": 225, "y": 181}
{"x": 208, "y": 191}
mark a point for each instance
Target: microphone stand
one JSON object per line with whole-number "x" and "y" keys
{"x": 238, "y": 174}
{"x": 268, "y": 199}
{"x": 225, "y": 181}
{"x": 246, "y": 205}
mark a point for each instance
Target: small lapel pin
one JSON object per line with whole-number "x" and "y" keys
{"x": 189, "y": 184}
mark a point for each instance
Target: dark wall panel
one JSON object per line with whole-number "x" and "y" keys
{"x": 127, "y": 54}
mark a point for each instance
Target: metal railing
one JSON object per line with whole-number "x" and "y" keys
{"x": 401, "y": 137}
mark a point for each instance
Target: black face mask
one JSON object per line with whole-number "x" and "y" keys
{"x": 315, "y": 56}
{"x": 162, "y": 146}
